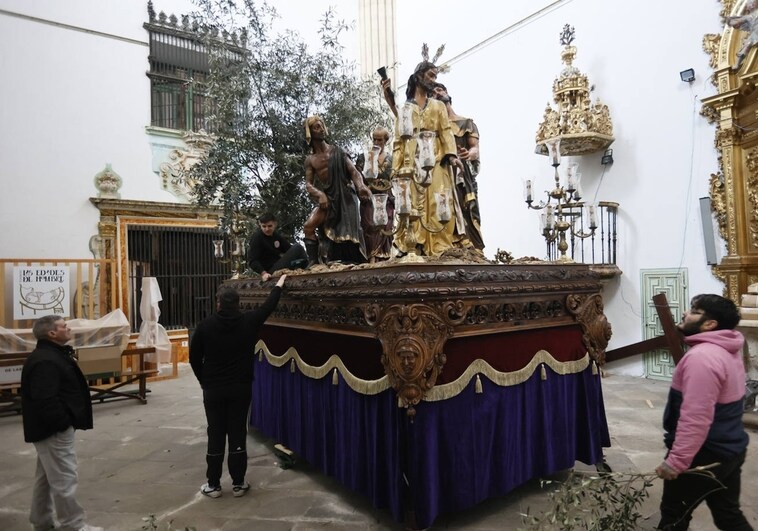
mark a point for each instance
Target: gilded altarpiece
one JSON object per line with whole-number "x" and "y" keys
{"x": 734, "y": 112}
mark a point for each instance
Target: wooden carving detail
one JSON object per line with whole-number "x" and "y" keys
{"x": 711, "y": 43}
{"x": 718, "y": 201}
{"x": 412, "y": 337}
{"x": 596, "y": 330}
{"x": 751, "y": 162}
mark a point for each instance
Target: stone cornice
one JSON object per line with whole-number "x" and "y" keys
{"x": 128, "y": 207}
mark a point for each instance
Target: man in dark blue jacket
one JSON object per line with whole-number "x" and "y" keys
{"x": 55, "y": 401}
{"x": 221, "y": 355}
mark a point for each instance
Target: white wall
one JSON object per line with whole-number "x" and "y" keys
{"x": 72, "y": 101}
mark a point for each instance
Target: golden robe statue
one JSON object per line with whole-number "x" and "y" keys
{"x": 431, "y": 117}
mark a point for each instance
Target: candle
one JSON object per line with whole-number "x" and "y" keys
{"x": 571, "y": 177}
{"x": 528, "y": 190}
{"x": 379, "y": 202}
{"x": 554, "y": 151}
{"x": 543, "y": 222}
{"x": 406, "y": 120}
{"x": 549, "y": 217}
{"x": 426, "y": 156}
{"x": 402, "y": 192}
{"x": 443, "y": 206}
{"x": 592, "y": 214}
{"x": 218, "y": 248}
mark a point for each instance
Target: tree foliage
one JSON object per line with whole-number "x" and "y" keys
{"x": 261, "y": 95}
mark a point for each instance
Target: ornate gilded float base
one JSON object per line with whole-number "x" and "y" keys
{"x": 413, "y": 309}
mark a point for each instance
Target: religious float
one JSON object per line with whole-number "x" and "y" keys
{"x": 437, "y": 379}
{"x": 429, "y": 387}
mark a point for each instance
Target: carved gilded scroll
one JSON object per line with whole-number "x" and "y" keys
{"x": 412, "y": 338}
{"x": 751, "y": 162}
{"x": 596, "y": 330}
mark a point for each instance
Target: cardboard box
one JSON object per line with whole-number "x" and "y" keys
{"x": 99, "y": 360}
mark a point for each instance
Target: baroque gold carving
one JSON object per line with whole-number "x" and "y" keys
{"x": 584, "y": 127}
{"x": 751, "y": 162}
{"x": 734, "y": 292}
{"x": 718, "y": 201}
{"x": 596, "y": 330}
{"x": 726, "y": 158}
{"x": 412, "y": 337}
{"x": 710, "y": 114}
{"x": 711, "y": 42}
{"x": 727, "y": 137}
{"x": 726, "y": 8}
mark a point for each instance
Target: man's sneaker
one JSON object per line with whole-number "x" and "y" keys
{"x": 90, "y": 528}
{"x": 240, "y": 490}
{"x": 211, "y": 492}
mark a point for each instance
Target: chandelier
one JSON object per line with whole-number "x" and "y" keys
{"x": 582, "y": 126}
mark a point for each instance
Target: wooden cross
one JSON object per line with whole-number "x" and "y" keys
{"x": 670, "y": 340}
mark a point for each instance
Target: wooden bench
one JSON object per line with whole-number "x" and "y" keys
{"x": 136, "y": 374}
{"x": 10, "y": 388}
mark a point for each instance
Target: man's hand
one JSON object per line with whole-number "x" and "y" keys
{"x": 455, "y": 161}
{"x": 386, "y": 84}
{"x": 364, "y": 193}
{"x": 468, "y": 154}
{"x": 265, "y": 276}
{"x": 666, "y": 472}
{"x": 281, "y": 280}
{"x": 323, "y": 202}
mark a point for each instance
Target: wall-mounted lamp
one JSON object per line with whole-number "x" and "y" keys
{"x": 688, "y": 75}
{"x": 607, "y": 157}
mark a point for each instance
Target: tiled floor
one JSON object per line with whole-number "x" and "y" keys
{"x": 143, "y": 460}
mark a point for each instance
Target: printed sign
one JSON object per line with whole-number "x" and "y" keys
{"x": 40, "y": 290}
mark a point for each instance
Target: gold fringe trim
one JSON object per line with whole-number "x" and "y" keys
{"x": 335, "y": 378}
{"x": 439, "y": 392}
{"x": 543, "y": 372}
{"x": 333, "y": 364}
{"x": 503, "y": 379}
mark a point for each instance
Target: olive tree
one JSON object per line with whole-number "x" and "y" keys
{"x": 262, "y": 91}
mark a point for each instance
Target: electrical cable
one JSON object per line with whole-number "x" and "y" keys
{"x": 688, "y": 196}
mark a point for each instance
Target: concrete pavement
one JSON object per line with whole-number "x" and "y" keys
{"x": 143, "y": 460}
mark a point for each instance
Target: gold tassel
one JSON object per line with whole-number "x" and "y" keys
{"x": 594, "y": 368}
{"x": 260, "y": 354}
{"x": 399, "y": 401}
{"x": 543, "y": 372}
{"x": 292, "y": 365}
{"x": 478, "y": 385}
{"x": 335, "y": 378}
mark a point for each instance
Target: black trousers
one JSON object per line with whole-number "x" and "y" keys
{"x": 682, "y": 495}
{"x": 296, "y": 252}
{"x": 226, "y": 412}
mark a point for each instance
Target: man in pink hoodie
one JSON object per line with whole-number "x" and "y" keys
{"x": 703, "y": 419}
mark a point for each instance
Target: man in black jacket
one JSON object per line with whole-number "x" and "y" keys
{"x": 221, "y": 355}
{"x": 269, "y": 251}
{"x": 55, "y": 401}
